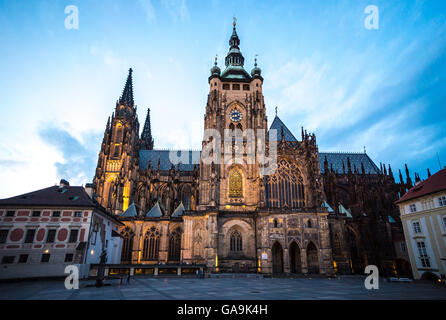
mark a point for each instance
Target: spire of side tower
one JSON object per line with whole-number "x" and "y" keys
{"x": 146, "y": 136}
{"x": 127, "y": 95}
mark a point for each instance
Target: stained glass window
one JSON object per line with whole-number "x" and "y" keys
{"x": 127, "y": 245}
{"x": 151, "y": 244}
{"x": 236, "y": 241}
{"x": 175, "y": 245}
{"x": 235, "y": 184}
{"x": 285, "y": 187}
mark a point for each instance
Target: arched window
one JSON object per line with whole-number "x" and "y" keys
{"x": 186, "y": 195}
{"x": 235, "y": 184}
{"x": 309, "y": 225}
{"x": 127, "y": 244}
{"x": 151, "y": 244}
{"x": 285, "y": 187}
{"x": 119, "y": 131}
{"x": 236, "y": 241}
{"x": 175, "y": 245}
{"x": 239, "y": 126}
{"x": 275, "y": 223}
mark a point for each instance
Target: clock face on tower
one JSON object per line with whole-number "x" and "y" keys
{"x": 235, "y": 115}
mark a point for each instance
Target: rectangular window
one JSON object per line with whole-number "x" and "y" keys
{"x": 36, "y": 214}
{"x": 77, "y": 214}
{"x": 444, "y": 222}
{"x": 225, "y": 86}
{"x": 29, "y": 238}
{"x": 10, "y": 213}
{"x": 51, "y": 236}
{"x": 425, "y": 262}
{"x": 45, "y": 257}
{"x": 442, "y": 201}
{"x": 413, "y": 208}
{"x": 416, "y": 227}
{"x": 56, "y": 213}
{"x": 73, "y": 235}
{"x": 69, "y": 257}
{"x": 422, "y": 249}
{"x": 403, "y": 246}
{"x": 423, "y": 254}
{"x": 235, "y": 86}
{"x": 23, "y": 258}
{"x": 3, "y": 236}
{"x": 8, "y": 259}
{"x": 246, "y": 87}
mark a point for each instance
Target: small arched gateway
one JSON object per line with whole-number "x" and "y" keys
{"x": 295, "y": 258}
{"x": 277, "y": 255}
{"x": 312, "y": 259}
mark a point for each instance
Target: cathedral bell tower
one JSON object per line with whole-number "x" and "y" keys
{"x": 235, "y": 114}
{"x": 117, "y": 161}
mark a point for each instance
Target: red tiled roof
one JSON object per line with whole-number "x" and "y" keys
{"x": 435, "y": 183}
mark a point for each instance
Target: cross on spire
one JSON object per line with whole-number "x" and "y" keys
{"x": 276, "y": 111}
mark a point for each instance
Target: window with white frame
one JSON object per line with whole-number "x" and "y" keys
{"x": 413, "y": 208}
{"x": 416, "y": 227}
{"x": 442, "y": 201}
{"x": 423, "y": 254}
{"x": 427, "y": 204}
{"x": 94, "y": 235}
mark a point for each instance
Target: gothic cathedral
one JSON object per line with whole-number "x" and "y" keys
{"x": 314, "y": 213}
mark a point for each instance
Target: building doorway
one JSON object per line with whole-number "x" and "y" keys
{"x": 312, "y": 258}
{"x": 295, "y": 258}
{"x": 277, "y": 252}
{"x": 356, "y": 262}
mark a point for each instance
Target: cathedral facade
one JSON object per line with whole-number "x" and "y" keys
{"x": 313, "y": 213}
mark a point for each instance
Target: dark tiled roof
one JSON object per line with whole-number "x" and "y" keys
{"x": 435, "y": 183}
{"x": 178, "y": 211}
{"x": 53, "y": 196}
{"x": 165, "y": 164}
{"x": 155, "y": 212}
{"x": 130, "y": 212}
{"x": 334, "y": 159}
{"x": 278, "y": 125}
{"x": 235, "y": 73}
{"x": 337, "y": 158}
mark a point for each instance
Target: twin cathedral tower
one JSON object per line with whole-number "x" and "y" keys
{"x": 227, "y": 215}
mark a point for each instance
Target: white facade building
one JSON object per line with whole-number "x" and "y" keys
{"x": 42, "y": 232}
{"x": 423, "y": 215}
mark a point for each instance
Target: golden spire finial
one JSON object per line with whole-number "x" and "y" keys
{"x": 235, "y": 22}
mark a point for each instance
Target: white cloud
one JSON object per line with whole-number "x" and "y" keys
{"x": 149, "y": 10}
{"x": 177, "y": 9}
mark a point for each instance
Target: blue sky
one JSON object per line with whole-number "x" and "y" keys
{"x": 353, "y": 87}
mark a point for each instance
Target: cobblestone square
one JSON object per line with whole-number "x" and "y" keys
{"x": 343, "y": 288}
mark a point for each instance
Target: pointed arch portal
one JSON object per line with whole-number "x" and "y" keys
{"x": 295, "y": 258}
{"x": 277, "y": 255}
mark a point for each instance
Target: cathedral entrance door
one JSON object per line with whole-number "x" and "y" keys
{"x": 295, "y": 259}
{"x": 312, "y": 258}
{"x": 277, "y": 252}
{"x": 356, "y": 262}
